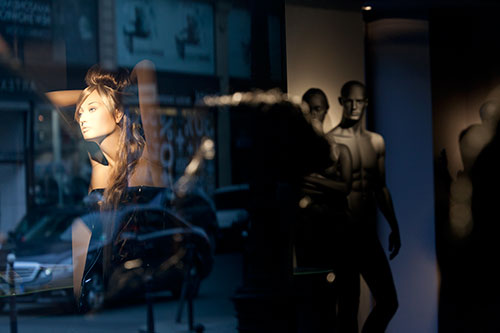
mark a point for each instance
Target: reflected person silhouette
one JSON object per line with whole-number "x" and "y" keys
{"x": 369, "y": 190}
{"x": 122, "y": 156}
{"x": 325, "y": 234}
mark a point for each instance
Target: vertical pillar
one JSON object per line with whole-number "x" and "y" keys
{"x": 260, "y": 62}
{"x": 399, "y": 82}
{"x": 224, "y": 176}
{"x": 107, "y": 38}
{"x": 56, "y": 150}
{"x": 29, "y": 156}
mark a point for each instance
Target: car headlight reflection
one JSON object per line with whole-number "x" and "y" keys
{"x": 131, "y": 264}
{"x": 45, "y": 273}
{"x": 54, "y": 271}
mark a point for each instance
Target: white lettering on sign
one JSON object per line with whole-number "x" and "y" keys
{"x": 27, "y": 12}
{"x": 16, "y": 84}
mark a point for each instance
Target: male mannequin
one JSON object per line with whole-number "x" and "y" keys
{"x": 368, "y": 190}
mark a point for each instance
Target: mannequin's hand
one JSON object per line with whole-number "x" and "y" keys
{"x": 314, "y": 175}
{"x": 317, "y": 126}
{"x": 394, "y": 244}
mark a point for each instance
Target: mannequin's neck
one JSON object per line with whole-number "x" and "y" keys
{"x": 109, "y": 146}
{"x": 353, "y": 126}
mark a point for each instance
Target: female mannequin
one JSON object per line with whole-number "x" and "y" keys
{"x": 128, "y": 158}
{"x": 104, "y": 120}
{"x": 326, "y": 234}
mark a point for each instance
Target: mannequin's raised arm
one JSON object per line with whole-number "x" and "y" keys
{"x": 63, "y": 98}
{"x": 144, "y": 74}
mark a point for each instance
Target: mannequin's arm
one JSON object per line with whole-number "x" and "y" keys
{"x": 343, "y": 185}
{"x": 325, "y": 183}
{"x": 80, "y": 244}
{"x": 144, "y": 74}
{"x": 386, "y": 207}
{"x": 63, "y": 98}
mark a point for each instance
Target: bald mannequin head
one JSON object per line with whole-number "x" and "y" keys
{"x": 317, "y": 102}
{"x": 490, "y": 112}
{"x": 353, "y": 100}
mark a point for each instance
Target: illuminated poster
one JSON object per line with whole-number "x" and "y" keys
{"x": 176, "y": 35}
{"x": 184, "y": 130}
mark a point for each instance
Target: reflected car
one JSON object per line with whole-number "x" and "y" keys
{"x": 43, "y": 270}
{"x": 150, "y": 245}
{"x": 232, "y": 209}
{"x": 199, "y": 209}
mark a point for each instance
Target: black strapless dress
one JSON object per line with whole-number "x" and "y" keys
{"x": 133, "y": 195}
{"x": 99, "y": 222}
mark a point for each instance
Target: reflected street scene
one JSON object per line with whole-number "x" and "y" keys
{"x": 248, "y": 166}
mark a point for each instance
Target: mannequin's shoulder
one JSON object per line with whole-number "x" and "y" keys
{"x": 337, "y": 132}
{"x": 100, "y": 175}
{"x": 375, "y": 137}
{"x": 471, "y": 132}
{"x": 377, "y": 141}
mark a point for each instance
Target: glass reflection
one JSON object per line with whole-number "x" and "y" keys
{"x": 111, "y": 186}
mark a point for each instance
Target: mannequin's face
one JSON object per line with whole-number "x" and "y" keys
{"x": 318, "y": 106}
{"x": 354, "y": 104}
{"x": 96, "y": 121}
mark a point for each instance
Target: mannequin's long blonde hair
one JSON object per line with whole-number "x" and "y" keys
{"x": 111, "y": 88}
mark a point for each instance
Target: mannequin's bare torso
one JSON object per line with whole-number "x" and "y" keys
{"x": 367, "y": 150}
